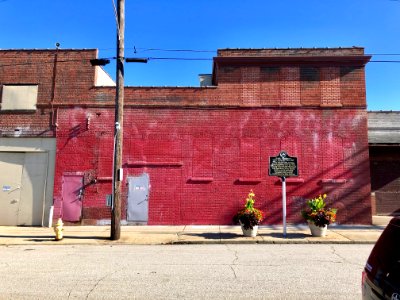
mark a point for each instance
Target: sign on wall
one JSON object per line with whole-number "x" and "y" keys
{"x": 283, "y": 165}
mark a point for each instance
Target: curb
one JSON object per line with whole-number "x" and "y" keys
{"x": 187, "y": 235}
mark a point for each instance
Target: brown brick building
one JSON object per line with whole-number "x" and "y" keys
{"x": 191, "y": 154}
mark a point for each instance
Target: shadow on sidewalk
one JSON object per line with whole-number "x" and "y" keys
{"x": 27, "y": 236}
{"x": 46, "y": 238}
{"x": 226, "y": 236}
{"x": 288, "y": 235}
{"x": 213, "y": 236}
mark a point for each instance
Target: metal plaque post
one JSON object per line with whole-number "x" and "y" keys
{"x": 283, "y": 166}
{"x": 284, "y": 205}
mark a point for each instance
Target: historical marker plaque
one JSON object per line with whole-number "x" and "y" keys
{"x": 283, "y": 165}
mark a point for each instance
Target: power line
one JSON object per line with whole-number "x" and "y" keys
{"x": 45, "y": 62}
{"x": 162, "y": 49}
{"x": 178, "y": 58}
{"x": 384, "y": 54}
{"x": 211, "y": 51}
{"x": 385, "y": 61}
{"x": 177, "y": 50}
{"x": 110, "y": 58}
{"x": 149, "y": 58}
{"x": 204, "y": 50}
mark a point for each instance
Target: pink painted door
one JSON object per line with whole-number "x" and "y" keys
{"x": 72, "y": 192}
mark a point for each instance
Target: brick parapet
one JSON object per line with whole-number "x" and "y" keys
{"x": 274, "y": 52}
{"x": 68, "y": 79}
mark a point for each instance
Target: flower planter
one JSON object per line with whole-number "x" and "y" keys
{"x": 317, "y": 213}
{"x": 316, "y": 230}
{"x": 250, "y": 216}
{"x": 250, "y": 232}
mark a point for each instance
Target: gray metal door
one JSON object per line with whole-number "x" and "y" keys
{"x": 138, "y": 198}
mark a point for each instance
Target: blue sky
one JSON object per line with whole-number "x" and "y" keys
{"x": 209, "y": 25}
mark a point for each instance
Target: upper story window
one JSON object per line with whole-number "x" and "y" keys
{"x": 19, "y": 97}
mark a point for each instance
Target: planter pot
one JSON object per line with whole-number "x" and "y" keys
{"x": 316, "y": 230}
{"x": 250, "y": 232}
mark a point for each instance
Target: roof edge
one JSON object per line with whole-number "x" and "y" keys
{"x": 48, "y": 50}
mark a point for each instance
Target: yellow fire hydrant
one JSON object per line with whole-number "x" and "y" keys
{"x": 58, "y": 229}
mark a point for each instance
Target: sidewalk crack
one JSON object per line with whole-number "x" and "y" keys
{"x": 341, "y": 235}
{"x": 179, "y": 233}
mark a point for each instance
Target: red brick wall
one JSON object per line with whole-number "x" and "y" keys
{"x": 70, "y": 68}
{"x": 63, "y": 76}
{"x": 229, "y": 148}
{"x": 293, "y": 86}
{"x": 209, "y": 146}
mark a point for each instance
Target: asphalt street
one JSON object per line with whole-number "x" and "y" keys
{"x": 228, "y": 271}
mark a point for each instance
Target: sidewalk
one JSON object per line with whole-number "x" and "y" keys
{"x": 162, "y": 235}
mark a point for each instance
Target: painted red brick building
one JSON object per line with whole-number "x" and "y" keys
{"x": 191, "y": 154}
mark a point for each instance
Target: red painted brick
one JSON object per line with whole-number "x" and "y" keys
{"x": 225, "y": 134}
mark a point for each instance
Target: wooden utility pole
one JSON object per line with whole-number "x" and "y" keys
{"x": 118, "y": 130}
